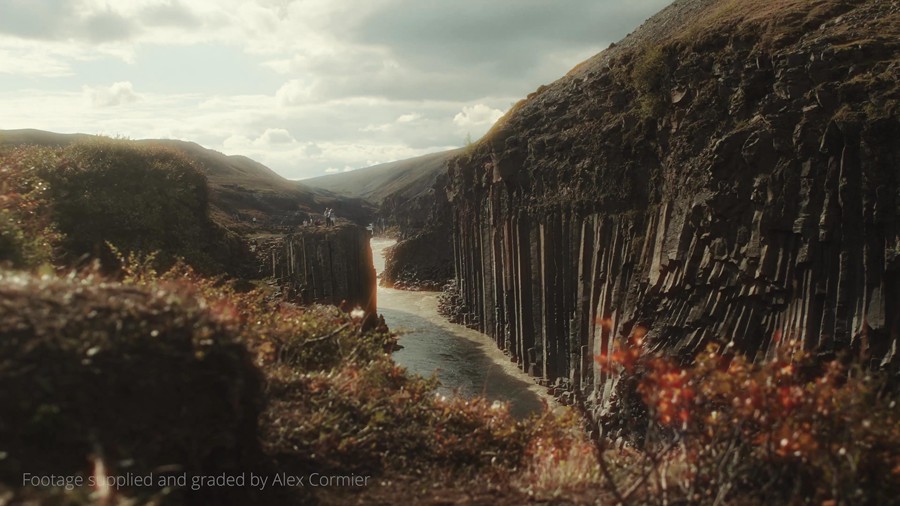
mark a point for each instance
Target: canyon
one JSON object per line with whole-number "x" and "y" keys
{"x": 692, "y": 238}
{"x": 724, "y": 174}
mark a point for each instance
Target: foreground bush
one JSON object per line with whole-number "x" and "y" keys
{"x": 28, "y": 234}
{"x": 160, "y": 369}
{"x": 66, "y": 204}
{"x": 789, "y": 430}
{"x": 139, "y": 378}
{"x": 336, "y": 401}
{"x": 154, "y": 372}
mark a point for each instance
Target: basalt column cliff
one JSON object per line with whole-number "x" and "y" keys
{"x": 728, "y": 172}
{"x": 326, "y": 265}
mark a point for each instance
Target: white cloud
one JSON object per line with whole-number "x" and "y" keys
{"x": 121, "y": 92}
{"x": 32, "y": 64}
{"x": 477, "y": 116}
{"x": 376, "y": 128}
{"x": 274, "y": 136}
{"x": 312, "y": 150}
{"x": 408, "y": 118}
{"x": 237, "y": 143}
{"x": 171, "y": 13}
{"x": 300, "y": 85}
{"x": 294, "y": 92}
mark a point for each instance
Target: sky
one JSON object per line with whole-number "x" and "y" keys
{"x": 307, "y": 87}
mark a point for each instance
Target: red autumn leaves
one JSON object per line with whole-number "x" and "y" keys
{"x": 786, "y": 406}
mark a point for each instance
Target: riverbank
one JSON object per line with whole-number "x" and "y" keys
{"x": 466, "y": 361}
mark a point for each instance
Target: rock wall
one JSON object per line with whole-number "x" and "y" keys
{"x": 327, "y": 265}
{"x": 421, "y": 262}
{"x": 422, "y": 259}
{"x": 738, "y": 185}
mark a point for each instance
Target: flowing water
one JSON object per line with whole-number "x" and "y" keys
{"x": 466, "y": 362}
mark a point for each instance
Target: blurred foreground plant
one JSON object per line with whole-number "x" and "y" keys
{"x": 28, "y": 235}
{"x": 790, "y": 429}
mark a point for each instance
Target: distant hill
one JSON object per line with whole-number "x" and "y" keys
{"x": 401, "y": 193}
{"x": 246, "y": 195}
{"x": 403, "y": 179}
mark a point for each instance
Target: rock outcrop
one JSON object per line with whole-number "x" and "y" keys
{"x": 327, "y": 265}
{"x": 421, "y": 262}
{"x": 422, "y": 259}
{"x": 728, "y": 172}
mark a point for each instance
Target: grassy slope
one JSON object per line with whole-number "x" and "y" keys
{"x": 65, "y": 205}
{"x": 241, "y": 188}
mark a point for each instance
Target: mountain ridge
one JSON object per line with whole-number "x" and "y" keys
{"x": 407, "y": 178}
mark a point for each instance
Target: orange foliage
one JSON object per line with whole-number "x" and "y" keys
{"x": 824, "y": 431}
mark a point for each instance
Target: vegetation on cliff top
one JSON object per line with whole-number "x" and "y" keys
{"x": 179, "y": 372}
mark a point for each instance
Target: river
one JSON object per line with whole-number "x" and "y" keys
{"x": 466, "y": 362}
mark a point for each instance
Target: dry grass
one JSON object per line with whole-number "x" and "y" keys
{"x": 770, "y": 21}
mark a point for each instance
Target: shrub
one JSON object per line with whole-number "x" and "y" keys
{"x": 155, "y": 369}
{"x": 336, "y": 400}
{"x": 559, "y": 458}
{"x": 138, "y": 197}
{"x": 143, "y": 377}
{"x": 62, "y": 205}
{"x": 790, "y": 429}
{"x": 648, "y": 77}
{"x": 27, "y": 232}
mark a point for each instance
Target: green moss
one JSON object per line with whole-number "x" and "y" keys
{"x": 17, "y": 247}
{"x": 648, "y": 77}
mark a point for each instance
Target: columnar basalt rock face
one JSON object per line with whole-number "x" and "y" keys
{"x": 706, "y": 179}
{"x": 422, "y": 259}
{"x": 327, "y": 265}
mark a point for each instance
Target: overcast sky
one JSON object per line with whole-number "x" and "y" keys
{"x": 306, "y": 87}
